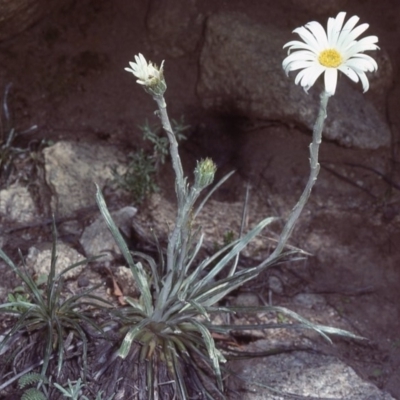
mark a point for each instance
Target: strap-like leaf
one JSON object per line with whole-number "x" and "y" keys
{"x": 143, "y": 286}
{"x": 242, "y": 243}
{"x": 214, "y": 354}
{"x": 129, "y": 338}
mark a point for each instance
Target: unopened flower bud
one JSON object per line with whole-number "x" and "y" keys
{"x": 204, "y": 173}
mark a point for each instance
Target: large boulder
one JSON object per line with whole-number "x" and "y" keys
{"x": 173, "y": 29}
{"x": 18, "y": 15}
{"x": 241, "y": 73}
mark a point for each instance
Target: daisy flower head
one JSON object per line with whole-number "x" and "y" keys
{"x": 149, "y": 75}
{"x": 330, "y": 51}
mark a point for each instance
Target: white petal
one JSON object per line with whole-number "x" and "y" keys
{"x": 297, "y": 56}
{"x": 319, "y": 33}
{"x": 362, "y": 64}
{"x": 363, "y": 79}
{"x": 365, "y": 44}
{"x": 349, "y": 25}
{"x": 308, "y": 76}
{"x": 301, "y": 55}
{"x": 141, "y": 59}
{"x": 308, "y": 38}
{"x": 334, "y": 28}
{"x": 296, "y": 44}
{"x": 330, "y": 79}
{"x": 349, "y": 73}
{"x": 299, "y": 64}
{"x": 312, "y": 75}
{"x": 300, "y": 76}
{"x": 346, "y": 39}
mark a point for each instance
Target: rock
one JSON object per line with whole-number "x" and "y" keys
{"x": 381, "y": 81}
{"x": 246, "y": 299}
{"x": 241, "y": 74}
{"x": 39, "y": 259}
{"x": 309, "y": 300}
{"x": 4, "y": 291}
{"x": 320, "y": 7}
{"x": 174, "y": 29}
{"x": 275, "y": 284}
{"x": 16, "y": 204}
{"x": 127, "y": 282}
{"x": 72, "y": 169}
{"x": 18, "y": 15}
{"x": 97, "y": 238}
{"x": 303, "y": 374}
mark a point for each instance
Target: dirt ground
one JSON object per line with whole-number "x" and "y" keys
{"x": 68, "y": 79}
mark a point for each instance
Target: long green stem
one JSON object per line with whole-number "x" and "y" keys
{"x": 176, "y": 160}
{"x": 176, "y": 241}
{"x": 314, "y": 151}
{"x": 180, "y": 184}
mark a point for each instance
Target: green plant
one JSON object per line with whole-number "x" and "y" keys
{"x": 74, "y": 391}
{"x": 8, "y": 134}
{"x": 33, "y": 394}
{"x": 30, "y": 379}
{"x": 168, "y": 331}
{"x": 47, "y": 314}
{"x": 139, "y": 179}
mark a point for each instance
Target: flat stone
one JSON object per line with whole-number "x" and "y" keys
{"x": 97, "y": 238}
{"x": 72, "y": 169}
{"x": 39, "y": 259}
{"x": 300, "y": 373}
{"x": 16, "y": 204}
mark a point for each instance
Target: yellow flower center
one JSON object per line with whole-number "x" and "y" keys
{"x": 330, "y": 58}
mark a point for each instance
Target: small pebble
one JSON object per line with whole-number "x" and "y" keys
{"x": 83, "y": 281}
{"x": 275, "y": 284}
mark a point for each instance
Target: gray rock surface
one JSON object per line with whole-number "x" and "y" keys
{"x": 320, "y": 7}
{"x": 241, "y": 74}
{"x": 174, "y": 29}
{"x": 72, "y": 169}
{"x": 16, "y": 204}
{"x": 97, "y": 239}
{"x": 39, "y": 259}
{"x": 301, "y": 373}
{"x": 18, "y": 15}
{"x": 127, "y": 282}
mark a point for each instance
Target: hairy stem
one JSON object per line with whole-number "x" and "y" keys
{"x": 315, "y": 167}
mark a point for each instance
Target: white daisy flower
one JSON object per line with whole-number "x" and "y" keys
{"x": 331, "y": 51}
{"x": 147, "y": 73}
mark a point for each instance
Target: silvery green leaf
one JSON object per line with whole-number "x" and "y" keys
{"x": 198, "y": 307}
{"x": 241, "y": 244}
{"x": 135, "y": 305}
{"x": 213, "y": 353}
{"x": 143, "y": 287}
{"x": 129, "y": 338}
{"x": 211, "y": 192}
{"x": 154, "y": 270}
